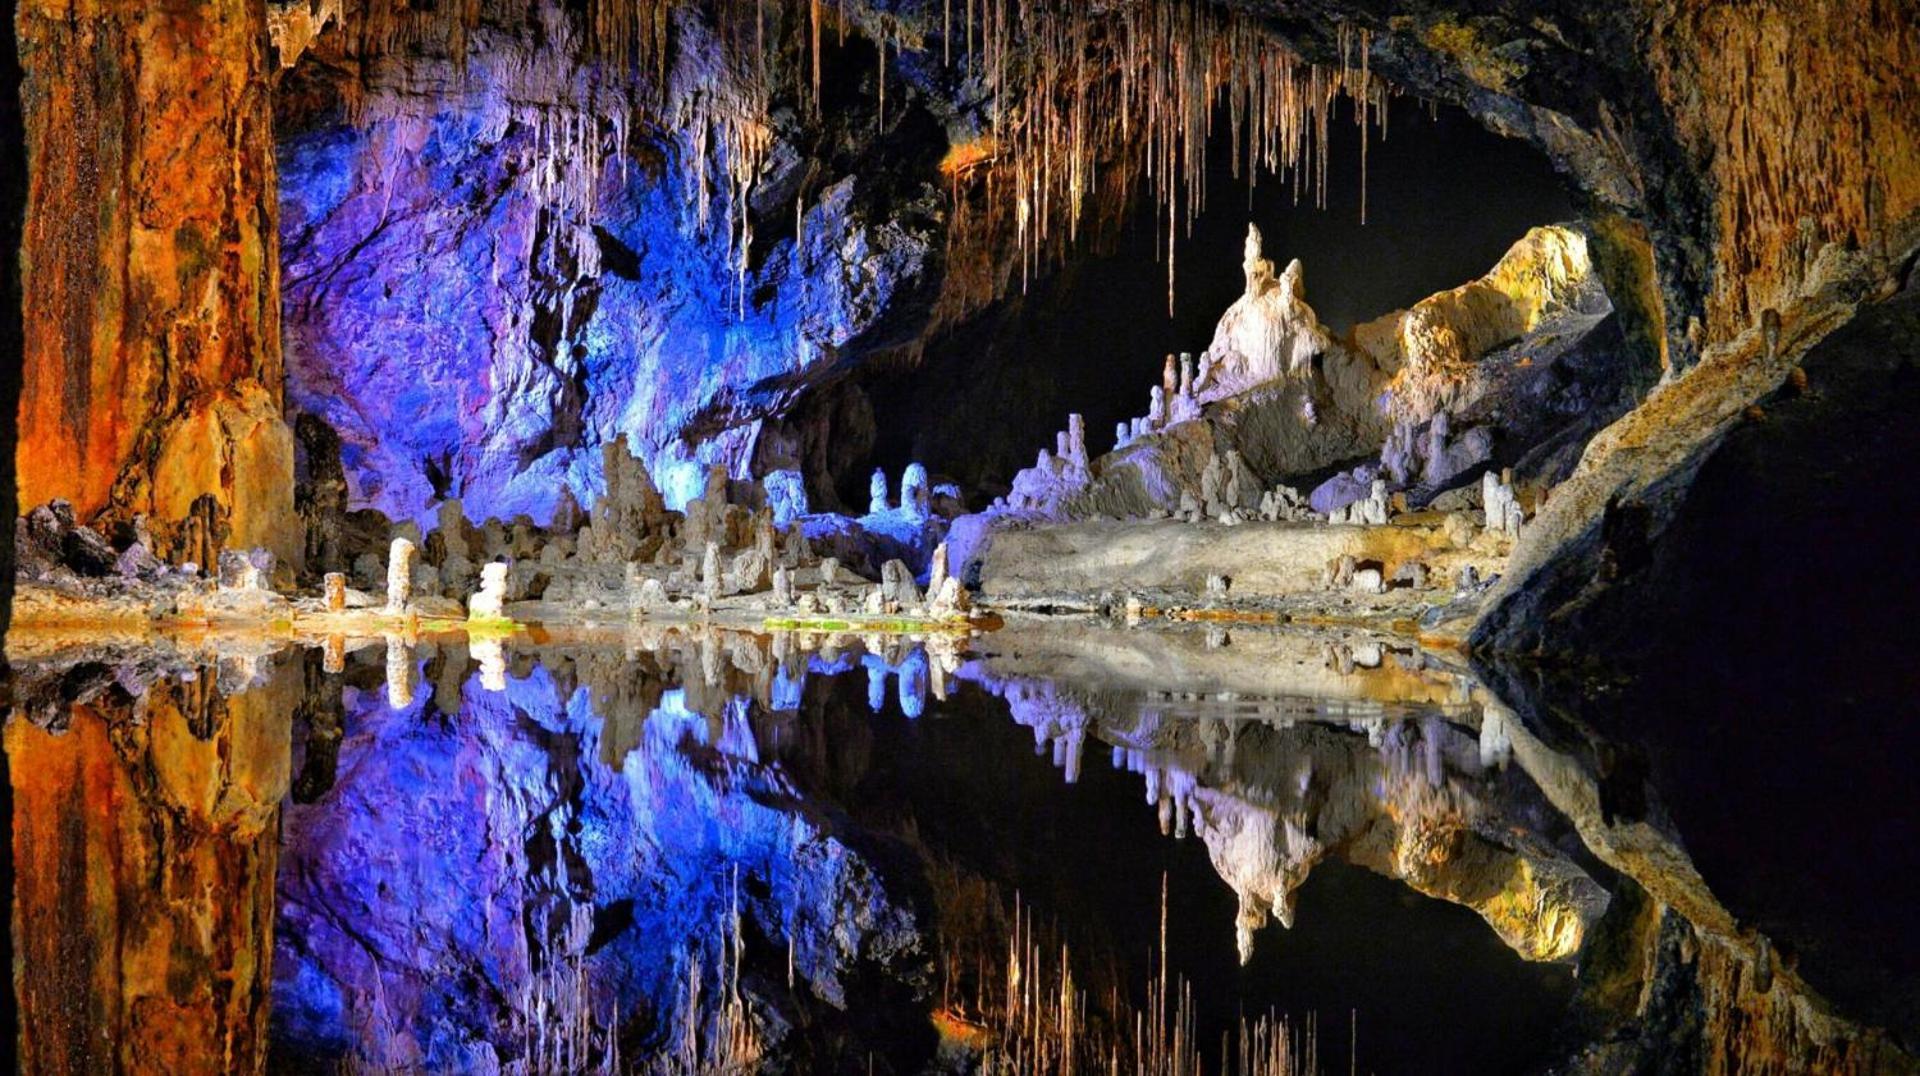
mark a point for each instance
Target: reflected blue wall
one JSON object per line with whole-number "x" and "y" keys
{"x": 467, "y": 863}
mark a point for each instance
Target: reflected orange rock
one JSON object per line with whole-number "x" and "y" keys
{"x": 146, "y": 841}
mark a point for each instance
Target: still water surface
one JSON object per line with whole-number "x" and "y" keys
{"x": 660, "y": 850}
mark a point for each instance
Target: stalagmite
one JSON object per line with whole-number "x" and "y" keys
{"x": 750, "y": 572}
{"x": 1211, "y": 480}
{"x": 651, "y": 595}
{"x": 937, "y": 569}
{"x": 877, "y": 492}
{"x": 399, "y": 576}
{"x": 782, "y": 586}
{"x": 1077, "y": 440}
{"x": 1501, "y": 507}
{"x": 915, "y": 493}
{"x": 1373, "y": 510}
{"x": 897, "y": 586}
{"x": 829, "y": 571}
{"x": 235, "y": 569}
{"x": 951, "y": 599}
{"x": 1157, "y": 409}
{"x": 1496, "y": 739}
{"x": 1340, "y": 573}
{"x": 491, "y": 599}
{"x": 710, "y": 573}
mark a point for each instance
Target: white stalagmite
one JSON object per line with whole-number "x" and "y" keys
{"x": 399, "y": 575}
{"x": 710, "y": 572}
{"x": 1269, "y": 332}
{"x": 1503, "y": 513}
{"x": 937, "y": 569}
{"x": 877, "y": 492}
{"x": 489, "y": 601}
{"x": 951, "y": 599}
{"x": 915, "y": 491}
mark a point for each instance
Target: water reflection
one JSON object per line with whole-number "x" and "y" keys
{"x": 146, "y": 801}
{"x": 1298, "y": 750}
{"x": 678, "y": 850}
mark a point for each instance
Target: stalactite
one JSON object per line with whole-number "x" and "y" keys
{"x": 814, "y": 32}
{"x": 1132, "y": 89}
{"x": 1084, "y": 105}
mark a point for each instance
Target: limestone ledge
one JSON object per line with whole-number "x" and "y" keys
{"x": 1272, "y": 570}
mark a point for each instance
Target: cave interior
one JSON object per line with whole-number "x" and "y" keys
{"x": 539, "y": 529}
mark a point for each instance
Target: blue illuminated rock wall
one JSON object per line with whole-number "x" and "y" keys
{"x": 469, "y": 333}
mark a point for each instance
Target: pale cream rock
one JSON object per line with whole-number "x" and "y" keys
{"x": 491, "y": 598}
{"x": 399, "y": 575}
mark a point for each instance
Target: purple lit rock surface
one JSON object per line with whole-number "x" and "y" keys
{"x": 468, "y": 335}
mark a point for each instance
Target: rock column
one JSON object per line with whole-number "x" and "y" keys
{"x": 152, "y": 372}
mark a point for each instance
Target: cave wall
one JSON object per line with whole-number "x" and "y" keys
{"x": 152, "y": 376}
{"x": 1734, "y": 140}
{"x": 497, "y": 264}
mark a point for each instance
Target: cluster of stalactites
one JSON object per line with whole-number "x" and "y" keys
{"x": 1131, "y": 88}
{"x": 705, "y": 72}
{"x": 1134, "y": 88}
